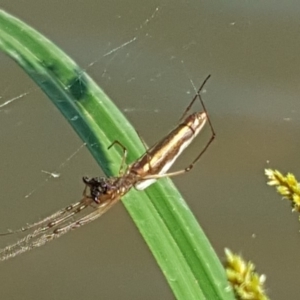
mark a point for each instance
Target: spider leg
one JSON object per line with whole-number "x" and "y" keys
{"x": 48, "y": 220}
{"x": 56, "y": 228}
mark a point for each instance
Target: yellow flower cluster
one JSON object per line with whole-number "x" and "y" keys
{"x": 247, "y": 284}
{"x": 287, "y": 186}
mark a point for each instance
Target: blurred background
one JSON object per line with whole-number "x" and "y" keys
{"x": 146, "y": 55}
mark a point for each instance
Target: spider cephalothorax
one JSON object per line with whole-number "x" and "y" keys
{"x": 99, "y": 187}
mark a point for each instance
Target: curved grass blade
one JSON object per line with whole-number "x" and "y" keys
{"x": 161, "y": 215}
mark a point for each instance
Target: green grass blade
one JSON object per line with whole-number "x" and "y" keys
{"x": 163, "y": 218}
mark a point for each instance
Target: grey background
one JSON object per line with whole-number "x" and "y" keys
{"x": 251, "y": 48}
